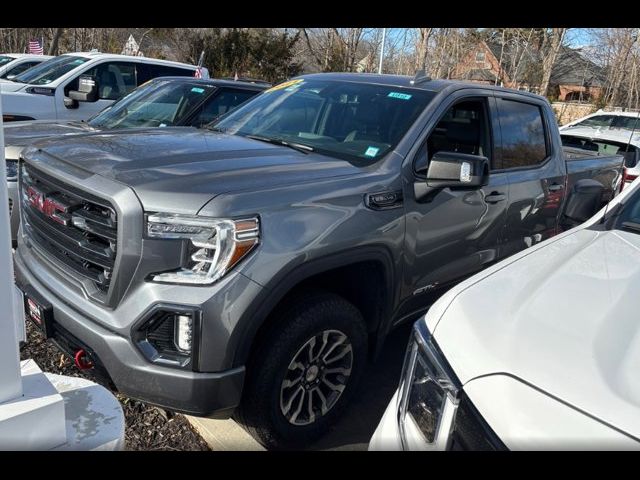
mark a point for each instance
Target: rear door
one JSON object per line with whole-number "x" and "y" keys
{"x": 149, "y": 71}
{"x": 536, "y": 172}
{"x": 452, "y": 233}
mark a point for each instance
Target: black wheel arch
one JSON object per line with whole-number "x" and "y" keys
{"x": 257, "y": 317}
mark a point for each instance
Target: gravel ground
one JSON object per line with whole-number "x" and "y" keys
{"x": 148, "y": 427}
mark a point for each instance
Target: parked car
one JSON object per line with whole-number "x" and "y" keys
{"x": 161, "y": 102}
{"x": 12, "y": 64}
{"x": 603, "y": 119}
{"x": 75, "y": 86}
{"x": 252, "y": 269}
{"x": 610, "y": 141}
{"x": 537, "y": 352}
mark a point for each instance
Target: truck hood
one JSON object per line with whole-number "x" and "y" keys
{"x": 22, "y": 134}
{"x": 8, "y": 86}
{"x": 562, "y": 318}
{"x": 179, "y": 169}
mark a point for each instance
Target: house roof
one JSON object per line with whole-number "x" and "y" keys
{"x": 480, "y": 74}
{"x": 572, "y": 68}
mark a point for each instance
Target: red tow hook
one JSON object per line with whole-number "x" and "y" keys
{"x": 83, "y": 362}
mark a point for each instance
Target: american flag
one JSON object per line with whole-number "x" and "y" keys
{"x": 35, "y": 47}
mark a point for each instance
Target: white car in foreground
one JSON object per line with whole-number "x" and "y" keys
{"x": 540, "y": 351}
{"x": 12, "y": 64}
{"x": 76, "y": 86}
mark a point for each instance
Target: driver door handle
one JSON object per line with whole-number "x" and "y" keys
{"x": 495, "y": 197}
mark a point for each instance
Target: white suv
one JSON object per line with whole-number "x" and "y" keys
{"x": 12, "y": 64}
{"x": 75, "y": 86}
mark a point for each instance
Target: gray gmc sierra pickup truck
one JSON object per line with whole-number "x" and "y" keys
{"x": 253, "y": 269}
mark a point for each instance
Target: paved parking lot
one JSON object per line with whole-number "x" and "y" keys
{"x": 358, "y": 423}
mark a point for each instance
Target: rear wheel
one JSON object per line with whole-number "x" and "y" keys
{"x": 304, "y": 371}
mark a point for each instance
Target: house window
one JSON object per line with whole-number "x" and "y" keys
{"x": 479, "y": 56}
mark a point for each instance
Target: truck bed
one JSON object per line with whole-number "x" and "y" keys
{"x": 588, "y": 164}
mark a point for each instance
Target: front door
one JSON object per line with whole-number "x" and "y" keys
{"x": 114, "y": 80}
{"x": 452, "y": 233}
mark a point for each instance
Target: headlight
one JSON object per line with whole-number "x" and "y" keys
{"x": 12, "y": 169}
{"x": 215, "y": 245}
{"x": 429, "y": 393}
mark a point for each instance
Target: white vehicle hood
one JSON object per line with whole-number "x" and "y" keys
{"x": 562, "y": 318}
{"x": 9, "y": 86}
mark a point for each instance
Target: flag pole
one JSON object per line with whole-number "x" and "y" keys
{"x": 384, "y": 34}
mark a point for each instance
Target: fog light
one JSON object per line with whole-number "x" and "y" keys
{"x": 183, "y": 333}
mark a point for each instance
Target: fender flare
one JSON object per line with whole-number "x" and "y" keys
{"x": 255, "y": 316}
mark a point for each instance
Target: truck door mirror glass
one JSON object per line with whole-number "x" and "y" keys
{"x": 457, "y": 170}
{"x": 87, "y": 90}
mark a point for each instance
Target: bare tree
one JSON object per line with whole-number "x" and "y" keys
{"x": 53, "y": 46}
{"x": 552, "y": 41}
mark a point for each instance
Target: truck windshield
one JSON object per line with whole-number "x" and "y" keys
{"x": 4, "y": 60}
{"x": 50, "y": 70}
{"x": 348, "y": 120}
{"x": 156, "y": 104}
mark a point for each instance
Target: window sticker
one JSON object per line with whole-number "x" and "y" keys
{"x": 286, "y": 84}
{"x": 401, "y": 96}
{"x": 371, "y": 152}
{"x": 197, "y": 90}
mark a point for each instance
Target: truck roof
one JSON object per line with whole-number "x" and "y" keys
{"x": 117, "y": 56}
{"x": 213, "y": 81}
{"x": 433, "y": 85}
{"x": 26, "y": 55}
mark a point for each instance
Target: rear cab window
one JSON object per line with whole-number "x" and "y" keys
{"x": 524, "y": 136}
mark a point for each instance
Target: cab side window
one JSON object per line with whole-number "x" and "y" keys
{"x": 148, "y": 71}
{"x": 524, "y": 141}
{"x": 220, "y": 104}
{"x": 114, "y": 79}
{"x": 464, "y": 128}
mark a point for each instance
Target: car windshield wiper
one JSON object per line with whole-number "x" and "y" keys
{"x": 633, "y": 226}
{"x": 279, "y": 141}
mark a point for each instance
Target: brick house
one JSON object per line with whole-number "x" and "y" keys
{"x": 573, "y": 77}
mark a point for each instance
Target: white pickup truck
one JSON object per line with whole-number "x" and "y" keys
{"x": 76, "y": 86}
{"x": 540, "y": 351}
{"x": 12, "y": 64}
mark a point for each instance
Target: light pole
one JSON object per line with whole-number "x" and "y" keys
{"x": 384, "y": 35}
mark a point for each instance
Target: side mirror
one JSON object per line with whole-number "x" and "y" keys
{"x": 87, "y": 90}
{"x": 457, "y": 170}
{"x": 70, "y": 103}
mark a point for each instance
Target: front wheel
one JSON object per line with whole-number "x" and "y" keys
{"x": 304, "y": 371}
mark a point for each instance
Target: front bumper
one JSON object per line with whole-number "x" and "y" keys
{"x": 212, "y": 394}
{"x": 14, "y": 206}
{"x": 387, "y": 435}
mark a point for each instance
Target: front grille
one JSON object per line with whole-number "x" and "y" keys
{"x": 471, "y": 431}
{"x": 76, "y": 228}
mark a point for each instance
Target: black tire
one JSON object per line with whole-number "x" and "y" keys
{"x": 260, "y": 411}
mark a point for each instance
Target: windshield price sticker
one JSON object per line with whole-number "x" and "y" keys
{"x": 290, "y": 83}
{"x": 401, "y": 96}
{"x": 371, "y": 152}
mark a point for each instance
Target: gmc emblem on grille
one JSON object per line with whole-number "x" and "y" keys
{"x": 49, "y": 206}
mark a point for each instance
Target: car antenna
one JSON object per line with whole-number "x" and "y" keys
{"x": 420, "y": 77}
